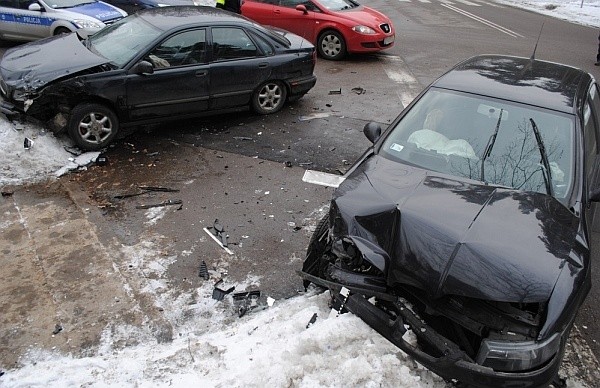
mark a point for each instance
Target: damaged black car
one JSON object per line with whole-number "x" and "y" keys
{"x": 156, "y": 65}
{"x": 468, "y": 222}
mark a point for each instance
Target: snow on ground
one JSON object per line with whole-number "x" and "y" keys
{"x": 586, "y": 12}
{"x": 269, "y": 347}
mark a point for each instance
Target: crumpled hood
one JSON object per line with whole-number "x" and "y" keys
{"x": 33, "y": 65}
{"x": 366, "y": 16}
{"x": 448, "y": 236}
{"x": 98, "y": 10}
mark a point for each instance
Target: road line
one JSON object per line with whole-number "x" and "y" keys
{"x": 490, "y": 3}
{"x": 484, "y": 21}
{"x": 466, "y": 2}
{"x": 398, "y": 72}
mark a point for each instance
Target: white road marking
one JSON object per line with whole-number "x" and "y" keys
{"x": 397, "y": 71}
{"x": 483, "y": 21}
{"x": 466, "y": 2}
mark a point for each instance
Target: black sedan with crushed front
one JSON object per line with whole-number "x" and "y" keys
{"x": 155, "y": 65}
{"x": 468, "y": 222}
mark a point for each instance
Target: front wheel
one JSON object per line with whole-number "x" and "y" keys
{"x": 61, "y": 30}
{"x": 331, "y": 45}
{"x": 269, "y": 97}
{"x": 315, "y": 263}
{"x": 92, "y": 126}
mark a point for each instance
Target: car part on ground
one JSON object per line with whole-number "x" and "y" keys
{"x": 335, "y": 27}
{"x": 468, "y": 220}
{"x": 156, "y": 65}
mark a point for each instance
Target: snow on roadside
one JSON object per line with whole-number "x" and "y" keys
{"x": 586, "y": 12}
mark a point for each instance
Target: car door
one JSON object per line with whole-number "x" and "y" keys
{"x": 33, "y": 23}
{"x": 8, "y": 25}
{"x": 238, "y": 67}
{"x": 180, "y": 83}
{"x": 299, "y": 22}
{"x": 591, "y": 129}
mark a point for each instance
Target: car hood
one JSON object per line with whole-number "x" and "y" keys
{"x": 33, "y": 65}
{"x": 98, "y": 10}
{"x": 447, "y": 236}
{"x": 365, "y": 16}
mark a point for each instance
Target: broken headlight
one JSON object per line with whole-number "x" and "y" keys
{"x": 20, "y": 95}
{"x": 508, "y": 356}
{"x": 80, "y": 23}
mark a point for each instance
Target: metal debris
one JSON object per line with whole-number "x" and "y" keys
{"x": 312, "y": 320}
{"x": 203, "y": 273}
{"x": 164, "y": 203}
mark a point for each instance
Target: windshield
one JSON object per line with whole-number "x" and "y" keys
{"x": 68, "y": 3}
{"x": 488, "y": 140}
{"x": 338, "y": 5}
{"x": 121, "y": 41}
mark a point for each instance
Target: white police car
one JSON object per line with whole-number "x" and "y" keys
{"x": 35, "y": 19}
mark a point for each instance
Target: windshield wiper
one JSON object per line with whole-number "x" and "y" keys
{"x": 544, "y": 155}
{"x": 488, "y": 147}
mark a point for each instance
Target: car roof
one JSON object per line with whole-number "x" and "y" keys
{"x": 166, "y": 18}
{"x": 540, "y": 83}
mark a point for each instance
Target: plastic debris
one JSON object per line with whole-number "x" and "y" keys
{"x": 247, "y": 301}
{"x": 219, "y": 293}
{"x": 147, "y": 189}
{"x": 219, "y": 235}
{"x": 359, "y": 90}
{"x": 203, "y": 273}
{"x": 339, "y": 91}
{"x": 57, "y": 329}
{"x": 164, "y": 203}
{"x": 27, "y": 143}
{"x": 313, "y": 319}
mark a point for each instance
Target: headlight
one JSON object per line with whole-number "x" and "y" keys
{"x": 364, "y": 30}
{"x": 508, "y": 356}
{"x": 79, "y": 23}
{"x": 162, "y": 5}
{"x": 19, "y": 95}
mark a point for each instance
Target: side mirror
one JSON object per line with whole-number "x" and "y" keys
{"x": 34, "y": 7}
{"x": 142, "y": 67}
{"x": 372, "y": 131}
{"x": 302, "y": 8}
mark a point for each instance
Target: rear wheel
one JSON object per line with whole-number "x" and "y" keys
{"x": 269, "y": 97}
{"x": 92, "y": 126}
{"x": 331, "y": 45}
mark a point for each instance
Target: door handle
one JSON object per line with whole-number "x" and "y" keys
{"x": 263, "y": 65}
{"x": 201, "y": 73}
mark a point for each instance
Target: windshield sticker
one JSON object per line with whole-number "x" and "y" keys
{"x": 397, "y": 147}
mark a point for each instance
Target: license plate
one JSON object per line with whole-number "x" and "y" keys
{"x": 389, "y": 40}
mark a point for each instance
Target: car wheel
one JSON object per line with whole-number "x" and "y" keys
{"x": 331, "y": 45}
{"x": 315, "y": 264}
{"x": 269, "y": 97}
{"x": 61, "y": 30}
{"x": 92, "y": 126}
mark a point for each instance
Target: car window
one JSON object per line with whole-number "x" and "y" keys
{"x": 8, "y": 3}
{"x": 338, "y": 5}
{"x": 293, "y": 3}
{"x": 123, "y": 40}
{"x": 186, "y": 48}
{"x": 232, "y": 43}
{"x": 452, "y": 132}
{"x": 262, "y": 43}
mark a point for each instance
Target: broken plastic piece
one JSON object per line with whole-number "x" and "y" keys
{"x": 219, "y": 293}
{"x": 339, "y": 91}
{"x": 248, "y": 300}
{"x": 313, "y": 319}
{"x": 27, "y": 143}
{"x": 359, "y": 90}
{"x": 218, "y": 241}
{"x": 57, "y": 329}
{"x": 203, "y": 273}
{"x": 165, "y": 203}
{"x": 322, "y": 178}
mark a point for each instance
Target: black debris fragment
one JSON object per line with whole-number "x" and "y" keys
{"x": 288, "y": 163}
{"x": 359, "y": 90}
{"x": 339, "y": 91}
{"x": 57, "y": 329}
{"x": 164, "y": 203}
{"x": 219, "y": 293}
{"x": 147, "y": 189}
{"x": 220, "y": 232}
{"x": 247, "y": 300}
{"x": 1, "y": 373}
{"x": 101, "y": 160}
{"x": 27, "y": 143}
{"x": 73, "y": 150}
{"x": 313, "y": 319}
{"x": 203, "y": 273}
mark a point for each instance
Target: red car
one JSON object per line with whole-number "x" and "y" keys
{"x": 336, "y": 27}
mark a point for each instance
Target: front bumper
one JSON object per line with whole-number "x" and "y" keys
{"x": 9, "y": 110}
{"x": 370, "y": 43}
{"x": 454, "y": 364}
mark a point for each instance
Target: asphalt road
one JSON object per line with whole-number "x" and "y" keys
{"x": 321, "y": 131}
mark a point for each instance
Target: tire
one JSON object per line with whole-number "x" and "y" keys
{"x": 269, "y": 97}
{"x": 61, "y": 30}
{"x": 92, "y": 126}
{"x": 314, "y": 264}
{"x": 331, "y": 45}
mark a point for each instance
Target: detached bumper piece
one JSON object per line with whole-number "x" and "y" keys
{"x": 9, "y": 110}
{"x": 452, "y": 363}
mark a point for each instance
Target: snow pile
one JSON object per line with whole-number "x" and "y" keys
{"x": 272, "y": 347}
{"x": 586, "y": 12}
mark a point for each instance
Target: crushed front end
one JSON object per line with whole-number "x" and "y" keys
{"x": 483, "y": 315}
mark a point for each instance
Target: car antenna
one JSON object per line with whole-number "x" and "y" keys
{"x": 536, "y": 43}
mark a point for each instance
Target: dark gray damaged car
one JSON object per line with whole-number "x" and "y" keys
{"x": 468, "y": 222}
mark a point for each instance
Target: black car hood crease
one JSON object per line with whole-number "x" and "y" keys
{"x": 35, "y": 64}
{"x": 449, "y": 236}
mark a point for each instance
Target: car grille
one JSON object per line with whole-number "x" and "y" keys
{"x": 385, "y": 28}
